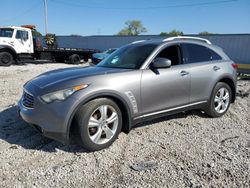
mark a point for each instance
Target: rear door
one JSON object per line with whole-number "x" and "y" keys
{"x": 204, "y": 68}
{"x": 166, "y": 88}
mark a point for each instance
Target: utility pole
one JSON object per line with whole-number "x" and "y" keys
{"x": 46, "y": 16}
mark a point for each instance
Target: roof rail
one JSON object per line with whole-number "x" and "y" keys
{"x": 187, "y": 37}
{"x": 138, "y": 41}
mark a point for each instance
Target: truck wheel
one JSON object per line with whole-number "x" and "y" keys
{"x": 6, "y": 59}
{"x": 99, "y": 122}
{"x": 74, "y": 59}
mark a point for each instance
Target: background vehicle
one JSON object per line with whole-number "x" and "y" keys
{"x": 97, "y": 57}
{"x": 139, "y": 81}
{"x": 18, "y": 44}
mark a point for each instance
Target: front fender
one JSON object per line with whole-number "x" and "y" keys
{"x": 91, "y": 96}
{"x": 6, "y": 48}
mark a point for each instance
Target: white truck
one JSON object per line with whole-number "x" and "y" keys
{"x": 17, "y": 45}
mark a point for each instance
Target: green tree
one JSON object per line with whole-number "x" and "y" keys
{"x": 205, "y": 33}
{"x": 36, "y": 33}
{"x": 133, "y": 27}
{"x": 164, "y": 33}
{"x": 174, "y": 32}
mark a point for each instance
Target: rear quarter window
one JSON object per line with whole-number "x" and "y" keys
{"x": 215, "y": 56}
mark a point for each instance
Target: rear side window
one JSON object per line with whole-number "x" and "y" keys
{"x": 215, "y": 56}
{"x": 196, "y": 53}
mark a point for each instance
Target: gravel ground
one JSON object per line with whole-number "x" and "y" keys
{"x": 183, "y": 150}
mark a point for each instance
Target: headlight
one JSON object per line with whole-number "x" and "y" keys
{"x": 62, "y": 94}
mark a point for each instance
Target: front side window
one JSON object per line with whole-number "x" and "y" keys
{"x": 128, "y": 57}
{"x": 6, "y": 32}
{"x": 172, "y": 53}
{"x": 22, "y": 35}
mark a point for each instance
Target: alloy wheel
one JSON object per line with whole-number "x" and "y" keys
{"x": 103, "y": 124}
{"x": 221, "y": 100}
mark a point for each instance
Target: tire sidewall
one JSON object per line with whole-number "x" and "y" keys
{"x": 73, "y": 57}
{"x": 211, "y": 107}
{"x": 83, "y": 116}
{"x": 6, "y": 54}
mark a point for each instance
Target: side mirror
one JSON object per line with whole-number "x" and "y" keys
{"x": 162, "y": 63}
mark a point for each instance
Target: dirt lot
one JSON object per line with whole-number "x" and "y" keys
{"x": 185, "y": 150}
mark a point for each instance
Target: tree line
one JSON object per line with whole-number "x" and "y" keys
{"x": 135, "y": 27}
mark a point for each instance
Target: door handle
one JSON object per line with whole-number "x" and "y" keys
{"x": 216, "y": 68}
{"x": 184, "y": 73}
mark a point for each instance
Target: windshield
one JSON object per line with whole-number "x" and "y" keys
{"x": 110, "y": 51}
{"x": 6, "y": 32}
{"x": 128, "y": 57}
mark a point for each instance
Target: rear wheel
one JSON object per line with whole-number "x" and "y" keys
{"x": 6, "y": 59}
{"x": 74, "y": 59}
{"x": 220, "y": 100}
{"x": 99, "y": 122}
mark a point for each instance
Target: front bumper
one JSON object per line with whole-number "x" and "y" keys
{"x": 52, "y": 119}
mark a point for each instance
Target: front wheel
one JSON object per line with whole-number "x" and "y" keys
{"x": 220, "y": 100}
{"x": 99, "y": 122}
{"x": 6, "y": 59}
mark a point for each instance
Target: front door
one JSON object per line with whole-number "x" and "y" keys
{"x": 22, "y": 41}
{"x": 166, "y": 88}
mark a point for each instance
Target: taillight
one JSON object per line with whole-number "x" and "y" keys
{"x": 234, "y": 65}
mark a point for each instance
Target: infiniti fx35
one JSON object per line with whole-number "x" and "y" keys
{"x": 142, "y": 80}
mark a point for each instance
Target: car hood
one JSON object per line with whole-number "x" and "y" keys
{"x": 100, "y": 55}
{"x": 61, "y": 75}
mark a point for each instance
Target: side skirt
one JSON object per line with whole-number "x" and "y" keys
{"x": 170, "y": 111}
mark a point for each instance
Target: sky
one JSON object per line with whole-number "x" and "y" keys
{"x": 108, "y": 17}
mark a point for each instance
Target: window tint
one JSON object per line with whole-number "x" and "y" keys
{"x": 22, "y": 35}
{"x": 6, "y": 32}
{"x": 25, "y": 35}
{"x": 172, "y": 53}
{"x": 215, "y": 56}
{"x": 195, "y": 53}
{"x": 129, "y": 57}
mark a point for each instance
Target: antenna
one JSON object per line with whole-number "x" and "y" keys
{"x": 46, "y": 16}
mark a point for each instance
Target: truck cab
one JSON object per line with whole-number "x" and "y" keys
{"x": 14, "y": 41}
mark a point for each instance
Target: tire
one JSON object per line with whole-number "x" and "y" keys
{"x": 220, "y": 100}
{"x": 95, "y": 133}
{"x": 6, "y": 59}
{"x": 74, "y": 59}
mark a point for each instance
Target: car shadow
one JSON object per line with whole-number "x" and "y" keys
{"x": 18, "y": 133}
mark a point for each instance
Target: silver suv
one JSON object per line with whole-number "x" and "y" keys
{"x": 142, "y": 80}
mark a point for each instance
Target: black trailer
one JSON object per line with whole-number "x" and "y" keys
{"x": 64, "y": 55}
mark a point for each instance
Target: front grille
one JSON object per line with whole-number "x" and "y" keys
{"x": 28, "y": 100}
